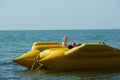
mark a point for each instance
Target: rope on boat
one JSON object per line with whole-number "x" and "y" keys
{"x": 36, "y": 61}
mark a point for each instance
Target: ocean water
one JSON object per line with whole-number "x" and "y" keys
{"x": 16, "y": 42}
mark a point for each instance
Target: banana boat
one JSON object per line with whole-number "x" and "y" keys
{"x": 86, "y": 56}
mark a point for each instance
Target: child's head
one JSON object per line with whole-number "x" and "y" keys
{"x": 64, "y": 38}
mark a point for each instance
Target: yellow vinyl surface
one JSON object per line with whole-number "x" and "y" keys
{"x": 85, "y": 56}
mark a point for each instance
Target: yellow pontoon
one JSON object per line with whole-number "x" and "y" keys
{"x": 85, "y": 56}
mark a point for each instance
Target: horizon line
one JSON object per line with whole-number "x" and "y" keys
{"x": 60, "y": 29}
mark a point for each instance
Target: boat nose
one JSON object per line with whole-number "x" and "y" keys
{"x": 27, "y": 59}
{"x": 13, "y": 60}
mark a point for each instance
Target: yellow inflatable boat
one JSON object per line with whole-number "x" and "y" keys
{"x": 85, "y": 56}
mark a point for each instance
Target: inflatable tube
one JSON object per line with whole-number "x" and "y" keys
{"x": 45, "y": 45}
{"x": 92, "y": 51}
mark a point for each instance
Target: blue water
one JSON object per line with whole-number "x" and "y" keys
{"x": 16, "y": 42}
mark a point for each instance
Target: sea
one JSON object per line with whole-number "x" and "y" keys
{"x": 14, "y": 43}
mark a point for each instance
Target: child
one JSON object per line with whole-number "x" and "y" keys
{"x": 64, "y": 42}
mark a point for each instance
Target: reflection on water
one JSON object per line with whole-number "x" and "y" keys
{"x": 110, "y": 74}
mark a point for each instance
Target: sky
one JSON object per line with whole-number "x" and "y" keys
{"x": 59, "y": 14}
